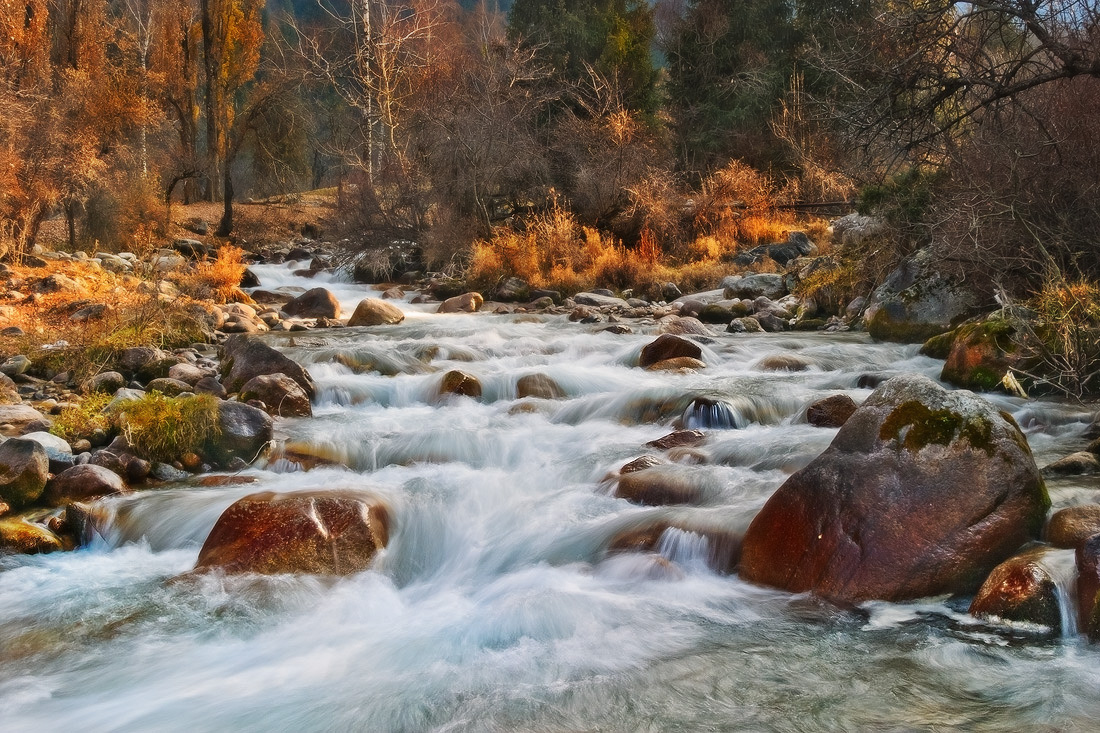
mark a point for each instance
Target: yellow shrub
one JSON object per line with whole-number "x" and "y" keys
{"x": 164, "y": 428}
{"x": 218, "y": 279}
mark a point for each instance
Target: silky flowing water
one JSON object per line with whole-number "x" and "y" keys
{"x": 496, "y": 606}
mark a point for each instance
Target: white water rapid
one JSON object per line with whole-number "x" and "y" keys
{"x": 496, "y": 606}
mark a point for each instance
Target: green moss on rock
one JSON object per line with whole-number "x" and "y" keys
{"x": 916, "y": 426}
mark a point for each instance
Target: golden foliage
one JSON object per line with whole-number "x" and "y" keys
{"x": 218, "y": 279}
{"x": 164, "y": 428}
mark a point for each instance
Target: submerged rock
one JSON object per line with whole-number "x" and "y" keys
{"x": 922, "y": 492}
{"x": 538, "y": 385}
{"x": 656, "y": 484}
{"x": 322, "y": 532}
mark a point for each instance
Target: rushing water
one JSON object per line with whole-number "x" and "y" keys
{"x": 496, "y": 606}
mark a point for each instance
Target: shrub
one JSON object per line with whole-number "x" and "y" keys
{"x": 218, "y": 279}
{"x": 83, "y": 420}
{"x": 164, "y": 428}
{"x": 1064, "y": 338}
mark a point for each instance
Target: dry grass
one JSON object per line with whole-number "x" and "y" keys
{"x": 218, "y": 279}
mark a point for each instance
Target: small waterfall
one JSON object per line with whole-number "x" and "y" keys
{"x": 707, "y": 413}
{"x": 1061, "y": 565}
{"x": 689, "y": 549}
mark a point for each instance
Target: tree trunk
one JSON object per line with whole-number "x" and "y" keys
{"x": 226, "y": 225}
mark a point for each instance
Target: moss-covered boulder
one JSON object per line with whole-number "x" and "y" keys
{"x": 918, "y": 301}
{"x": 321, "y": 532}
{"x": 922, "y": 492}
{"x": 980, "y": 355}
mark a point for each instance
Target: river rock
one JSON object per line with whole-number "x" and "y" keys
{"x": 460, "y": 383}
{"x": 145, "y": 363}
{"x": 281, "y": 394}
{"x": 187, "y": 373}
{"x": 24, "y": 469}
{"x": 538, "y": 385}
{"x": 917, "y": 301}
{"x": 723, "y": 546}
{"x": 599, "y": 300}
{"x": 782, "y": 363}
{"x": 27, "y": 538}
{"x": 322, "y": 532}
{"x": 512, "y": 290}
{"x": 244, "y": 358}
{"x": 922, "y": 492}
{"x": 764, "y": 284}
{"x": 168, "y": 387}
{"x": 16, "y": 365}
{"x": 679, "y": 439}
{"x": 668, "y": 346}
{"x": 683, "y": 326}
{"x": 210, "y": 385}
{"x": 465, "y": 303}
{"x": 980, "y": 355}
{"x": 748, "y": 324}
{"x": 656, "y": 485}
{"x": 831, "y": 412}
{"x": 245, "y": 432}
{"x": 1069, "y": 527}
{"x": 1087, "y": 558}
{"x": 676, "y": 364}
{"x": 375, "y": 312}
{"x": 80, "y": 483}
{"x": 107, "y": 382}
{"x": 1080, "y": 463}
{"x": 58, "y": 450}
{"x": 315, "y": 303}
{"x": 1021, "y": 590}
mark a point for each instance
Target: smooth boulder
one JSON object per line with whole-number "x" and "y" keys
{"x": 244, "y": 358}
{"x": 922, "y": 492}
{"x": 282, "y": 396}
{"x": 244, "y": 432}
{"x": 465, "y": 303}
{"x": 460, "y": 383}
{"x": 315, "y": 303}
{"x": 831, "y": 412}
{"x": 320, "y": 532}
{"x": 375, "y": 312}
{"x": 83, "y": 482}
{"x": 24, "y": 469}
{"x": 1020, "y": 590}
{"x": 1068, "y": 528}
{"x": 668, "y": 346}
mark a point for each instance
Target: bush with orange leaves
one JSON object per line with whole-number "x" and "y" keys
{"x": 218, "y": 279}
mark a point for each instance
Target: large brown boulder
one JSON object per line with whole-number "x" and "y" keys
{"x": 922, "y": 492}
{"x": 1022, "y": 590}
{"x": 315, "y": 303}
{"x": 244, "y": 358}
{"x": 280, "y": 394}
{"x": 83, "y": 482}
{"x": 465, "y": 303}
{"x": 375, "y": 312}
{"x": 24, "y": 468}
{"x": 668, "y": 346}
{"x": 323, "y": 532}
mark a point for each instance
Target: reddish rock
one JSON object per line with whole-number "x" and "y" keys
{"x": 1022, "y": 590}
{"x": 642, "y": 463}
{"x": 538, "y": 385}
{"x": 657, "y": 486}
{"x": 80, "y": 483}
{"x": 1068, "y": 528}
{"x": 668, "y": 346}
{"x": 1088, "y": 586}
{"x": 679, "y": 439}
{"x": 465, "y": 303}
{"x": 831, "y": 412}
{"x": 922, "y": 492}
{"x": 460, "y": 383}
{"x": 329, "y": 533}
{"x": 782, "y": 363}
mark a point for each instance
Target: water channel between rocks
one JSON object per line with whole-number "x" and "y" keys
{"x": 496, "y": 605}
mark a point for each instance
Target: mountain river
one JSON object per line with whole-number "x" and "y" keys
{"x": 496, "y": 606}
